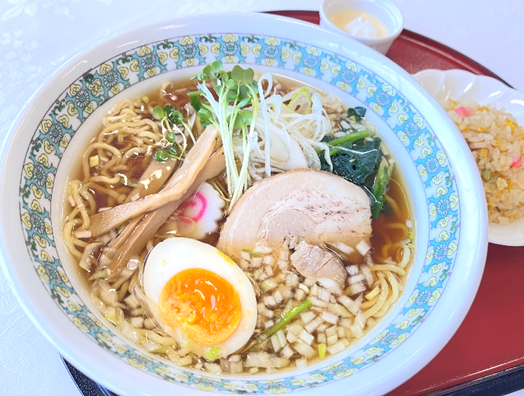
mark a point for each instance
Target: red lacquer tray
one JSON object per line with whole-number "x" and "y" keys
{"x": 489, "y": 342}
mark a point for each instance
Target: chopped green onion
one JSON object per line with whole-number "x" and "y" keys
{"x": 112, "y": 318}
{"x": 128, "y": 182}
{"x": 321, "y": 351}
{"x": 286, "y": 318}
{"x": 301, "y": 101}
{"x": 213, "y": 353}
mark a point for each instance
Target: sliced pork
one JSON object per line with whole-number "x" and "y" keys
{"x": 320, "y": 264}
{"x": 302, "y": 205}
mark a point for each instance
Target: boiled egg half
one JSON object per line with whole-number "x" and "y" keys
{"x": 200, "y": 297}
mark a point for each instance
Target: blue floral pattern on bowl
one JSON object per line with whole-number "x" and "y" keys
{"x": 112, "y": 77}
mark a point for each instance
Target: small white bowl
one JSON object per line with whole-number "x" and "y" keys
{"x": 385, "y": 11}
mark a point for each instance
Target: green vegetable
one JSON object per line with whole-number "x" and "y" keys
{"x": 321, "y": 351}
{"x": 171, "y": 119}
{"x": 171, "y": 137}
{"x": 171, "y": 151}
{"x": 112, "y": 318}
{"x": 159, "y": 113}
{"x": 127, "y": 181}
{"x": 161, "y": 155}
{"x": 226, "y": 108}
{"x": 286, "y": 318}
{"x": 357, "y": 158}
{"x": 486, "y": 175}
{"x": 345, "y": 141}
{"x": 301, "y": 102}
{"x": 213, "y": 353}
{"x": 380, "y": 187}
{"x": 356, "y": 162}
{"x": 357, "y": 113}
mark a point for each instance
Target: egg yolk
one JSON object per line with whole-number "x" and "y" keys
{"x": 203, "y": 304}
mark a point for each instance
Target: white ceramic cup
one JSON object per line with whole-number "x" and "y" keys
{"x": 385, "y": 11}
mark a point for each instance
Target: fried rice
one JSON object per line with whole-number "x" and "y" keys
{"x": 497, "y": 144}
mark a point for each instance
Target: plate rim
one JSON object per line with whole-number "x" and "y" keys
{"x": 504, "y": 235}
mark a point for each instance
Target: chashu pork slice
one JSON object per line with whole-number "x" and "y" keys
{"x": 303, "y": 205}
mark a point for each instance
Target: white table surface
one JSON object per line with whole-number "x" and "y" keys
{"x": 37, "y": 36}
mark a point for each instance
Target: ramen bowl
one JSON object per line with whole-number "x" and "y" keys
{"x": 444, "y": 190}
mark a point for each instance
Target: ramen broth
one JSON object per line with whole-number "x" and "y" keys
{"x": 327, "y": 327}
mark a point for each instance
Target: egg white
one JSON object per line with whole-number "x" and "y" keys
{"x": 176, "y": 254}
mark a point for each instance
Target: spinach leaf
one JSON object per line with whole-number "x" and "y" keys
{"x": 380, "y": 186}
{"x": 356, "y": 163}
{"x": 357, "y": 112}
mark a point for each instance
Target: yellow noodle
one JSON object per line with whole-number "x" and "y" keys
{"x": 393, "y": 205}
{"x": 85, "y": 158}
{"x": 79, "y": 242}
{"x": 108, "y": 191}
{"x": 165, "y": 86}
{"x": 111, "y": 201}
{"x": 73, "y": 214}
{"x": 384, "y": 290}
{"x": 150, "y": 135}
{"x": 120, "y": 316}
{"x": 132, "y": 125}
{"x": 126, "y": 275}
{"x": 130, "y": 131}
{"x": 79, "y": 203}
{"x": 159, "y": 339}
{"x": 400, "y": 226}
{"x": 387, "y": 267}
{"x": 368, "y": 304}
{"x": 120, "y": 168}
{"x": 384, "y": 251}
{"x": 121, "y": 105}
{"x": 106, "y": 180}
{"x": 406, "y": 257}
{"x": 395, "y": 248}
{"x": 133, "y": 282}
{"x": 67, "y": 235}
{"x": 123, "y": 291}
{"x": 107, "y": 168}
{"x": 165, "y": 349}
{"x": 134, "y": 151}
{"x": 104, "y": 146}
{"x": 120, "y": 281}
{"x": 108, "y": 139}
{"x": 89, "y": 198}
{"x": 392, "y": 297}
{"x": 128, "y": 146}
{"x": 137, "y": 140}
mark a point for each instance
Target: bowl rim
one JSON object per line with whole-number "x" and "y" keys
{"x": 45, "y": 321}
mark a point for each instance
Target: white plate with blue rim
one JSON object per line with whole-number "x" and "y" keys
{"x": 450, "y": 244}
{"x": 464, "y": 86}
